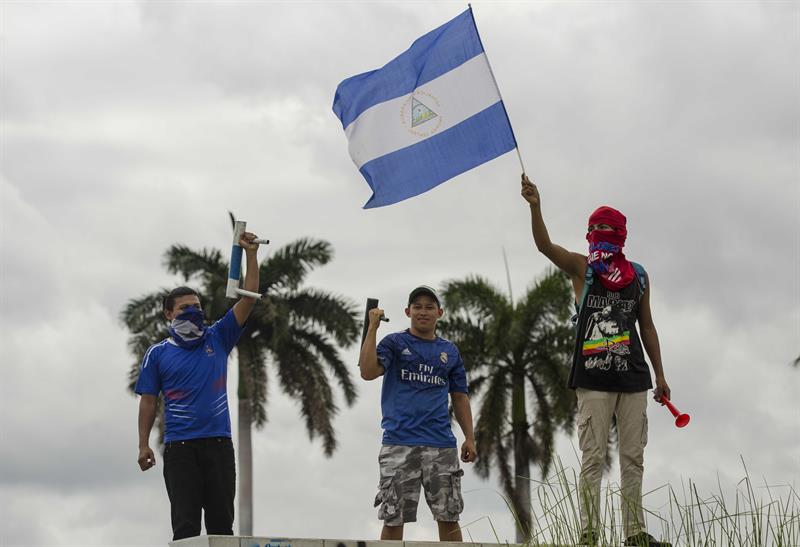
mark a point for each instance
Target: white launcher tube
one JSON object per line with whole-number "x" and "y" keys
{"x": 235, "y": 266}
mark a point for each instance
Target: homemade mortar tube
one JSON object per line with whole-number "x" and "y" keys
{"x": 372, "y": 303}
{"x": 232, "y": 290}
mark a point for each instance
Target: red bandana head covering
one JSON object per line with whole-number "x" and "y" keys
{"x": 605, "y": 249}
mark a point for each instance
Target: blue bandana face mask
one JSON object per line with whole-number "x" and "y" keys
{"x": 188, "y": 328}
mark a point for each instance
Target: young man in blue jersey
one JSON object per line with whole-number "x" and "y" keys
{"x": 191, "y": 369}
{"x": 609, "y": 371}
{"x": 419, "y": 371}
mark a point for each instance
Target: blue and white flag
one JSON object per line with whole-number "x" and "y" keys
{"x": 426, "y": 116}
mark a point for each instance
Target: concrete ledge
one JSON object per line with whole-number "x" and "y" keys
{"x": 266, "y": 541}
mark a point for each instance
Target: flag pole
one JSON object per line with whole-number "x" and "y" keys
{"x": 497, "y": 87}
{"x": 520, "y": 158}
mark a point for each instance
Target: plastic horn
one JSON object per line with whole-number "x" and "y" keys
{"x": 372, "y": 303}
{"x": 235, "y": 266}
{"x": 680, "y": 419}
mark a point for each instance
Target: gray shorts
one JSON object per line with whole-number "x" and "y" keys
{"x": 404, "y": 468}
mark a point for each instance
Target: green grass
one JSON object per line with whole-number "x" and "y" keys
{"x": 742, "y": 514}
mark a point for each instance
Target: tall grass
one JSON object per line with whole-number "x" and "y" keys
{"x": 747, "y": 515}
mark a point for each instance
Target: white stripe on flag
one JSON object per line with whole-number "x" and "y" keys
{"x": 454, "y": 97}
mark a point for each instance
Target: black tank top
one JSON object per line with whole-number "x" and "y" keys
{"x": 608, "y": 352}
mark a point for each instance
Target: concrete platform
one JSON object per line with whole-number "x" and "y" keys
{"x": 266, "y": 541}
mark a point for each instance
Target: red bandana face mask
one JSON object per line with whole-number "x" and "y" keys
{"x": 605, "y": 249}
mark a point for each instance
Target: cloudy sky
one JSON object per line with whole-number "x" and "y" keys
{"x": 127, "y": 127}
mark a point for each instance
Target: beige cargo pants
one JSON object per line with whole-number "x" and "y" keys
{"x": 595, "y": 411}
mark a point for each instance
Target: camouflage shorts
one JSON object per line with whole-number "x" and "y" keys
{"x": 404, "y": 468}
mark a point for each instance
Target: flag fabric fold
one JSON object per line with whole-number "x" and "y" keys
{"x": 428, "y": 115}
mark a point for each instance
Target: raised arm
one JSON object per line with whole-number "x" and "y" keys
{"x": 147, "y": 417}
{"x": 651, "y": 345}
{"x": 463, "y": 413}
{"x": 368, "y": 360}
{"x": 573, "y": 264}
{"x": 242, "y": 308}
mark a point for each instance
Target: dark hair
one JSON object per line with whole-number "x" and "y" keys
{"x": 168, "y": 301}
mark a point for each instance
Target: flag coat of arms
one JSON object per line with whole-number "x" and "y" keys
{"x": 428, "y": 115}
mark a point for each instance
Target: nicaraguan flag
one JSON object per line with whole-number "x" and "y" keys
{"x": 428, "y": 115}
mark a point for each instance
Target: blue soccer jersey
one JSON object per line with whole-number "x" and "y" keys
{"x": 418, "y": 376}
{"x": 194, "y": 382}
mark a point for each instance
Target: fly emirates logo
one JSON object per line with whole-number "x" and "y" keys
{"x": 424, "y": 374}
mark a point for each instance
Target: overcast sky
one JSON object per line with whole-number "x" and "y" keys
{"x": 127, "y": 127}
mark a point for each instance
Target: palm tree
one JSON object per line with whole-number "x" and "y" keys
{"x": 295, "y": 329}
{"x": 518, "y": 356}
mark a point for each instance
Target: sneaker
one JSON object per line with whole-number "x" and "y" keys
{"x": 643, "y": 539}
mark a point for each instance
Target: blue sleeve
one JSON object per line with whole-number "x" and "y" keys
{"x": 386, "y": 352}
{"x": 149, "y": 381}
{"x": 458, "y": 377}
{"x": 228, "y": 330}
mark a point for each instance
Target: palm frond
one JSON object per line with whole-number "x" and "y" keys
{"x": 206, "y": 264}
{"x": 476, "y": 384}
{"x": 546, "y": 302}
{"x": 304, "y": 381}
{"x": 326, "y": 353}
{"x": 144, "y": 319}
{"x": 492, "y": 422}
{"x": 501, "y": 451}
{"x": 289, "y": 265}
{"x": 139, "y": 313}
{"x": 543, "y": 427}
{"x": 253, "y": 385}
{"x": 334, "y": 315}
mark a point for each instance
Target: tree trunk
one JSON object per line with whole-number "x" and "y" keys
{"x": 245, "y": 450}
{"x": 245, "y": 470}
{"x": 522, "y": 484}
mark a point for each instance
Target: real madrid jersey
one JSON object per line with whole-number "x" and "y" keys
{"x": 419, "y": 375}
